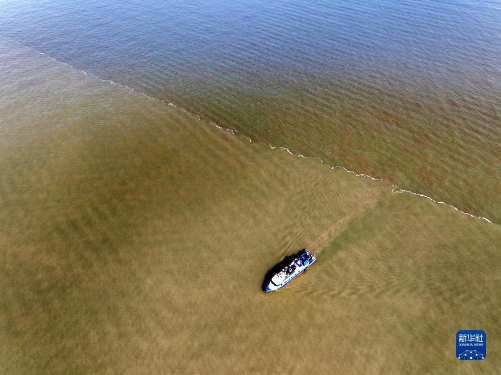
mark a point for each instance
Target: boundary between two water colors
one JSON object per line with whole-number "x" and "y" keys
{"x": 395, "y": 189}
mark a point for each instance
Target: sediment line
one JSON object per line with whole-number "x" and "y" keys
{"x": 395, "y": 189}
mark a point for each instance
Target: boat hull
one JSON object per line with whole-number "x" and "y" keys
{"x": 287, "y": 270}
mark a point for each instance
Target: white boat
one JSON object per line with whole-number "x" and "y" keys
{"x": 287, "y": 270}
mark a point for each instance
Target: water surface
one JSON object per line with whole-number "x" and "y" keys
{"x": 135, "y": 238}
{"x": 407, "y": 91}
{"x": 135, "y": 234}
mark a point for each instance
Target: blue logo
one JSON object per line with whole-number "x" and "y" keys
{"x": 471, "y": 345}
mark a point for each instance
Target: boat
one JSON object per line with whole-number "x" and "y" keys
{"x": 287, "y": 270}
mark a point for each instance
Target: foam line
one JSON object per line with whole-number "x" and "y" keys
{"x": 394, "y": 190}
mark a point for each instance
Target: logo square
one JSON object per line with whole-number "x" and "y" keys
{"x": 471, "y": 345}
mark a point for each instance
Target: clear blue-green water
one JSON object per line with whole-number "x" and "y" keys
{"x": 402, "y": 90}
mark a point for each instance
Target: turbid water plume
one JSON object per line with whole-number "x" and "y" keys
{"x": 135, "y": 238}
